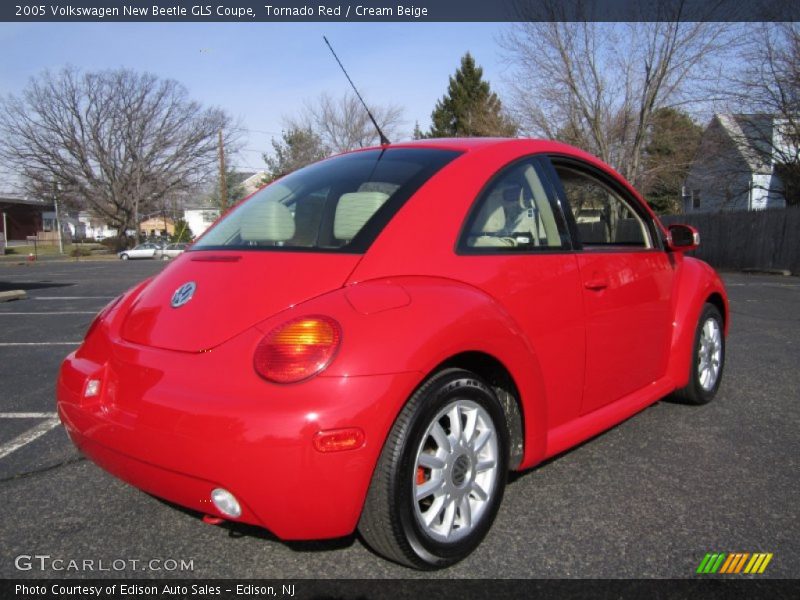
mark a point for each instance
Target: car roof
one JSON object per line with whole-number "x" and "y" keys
{"x": 471, "y": 144}
{"x": 524, "y": 146}
{"x": 434, "y": 216}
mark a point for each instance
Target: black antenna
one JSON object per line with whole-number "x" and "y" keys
{"x": 384, "y": 140}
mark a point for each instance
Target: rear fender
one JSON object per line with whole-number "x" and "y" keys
{"x": 414, "y": 324}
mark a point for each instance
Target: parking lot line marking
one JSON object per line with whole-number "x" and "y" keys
{"x": 40, "y": 343}
{"x": 29, "y": 415}
{"x": 28, "y": 436}
{"x": 66, "y": 312}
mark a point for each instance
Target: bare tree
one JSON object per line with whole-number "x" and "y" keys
{"x": 342, "y": 124}
{"x": 765, "y": 97}
{"x": 597, "y": 85}
{"x": 118, "y": 142}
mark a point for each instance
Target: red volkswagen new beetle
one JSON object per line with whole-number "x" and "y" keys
{"x": 375, "y": 340}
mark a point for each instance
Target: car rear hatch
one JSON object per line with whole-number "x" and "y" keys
{"x": 233, "y": 291}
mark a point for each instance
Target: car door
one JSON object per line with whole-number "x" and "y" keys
{"x": 516, "y": 246}
{"x": 626, "y": 281}
{"x": 143, "y": 251}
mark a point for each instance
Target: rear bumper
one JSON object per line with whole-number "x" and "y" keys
{"x": 178, "y": 425}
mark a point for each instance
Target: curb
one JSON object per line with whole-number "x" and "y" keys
{"x": 12, "y": 295}
{"x": 784, "y": 272}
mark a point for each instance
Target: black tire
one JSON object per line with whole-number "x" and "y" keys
{"x": 392, "y": 520}
{"x": 124, "y": 257}
{"x": 700, "y": 390}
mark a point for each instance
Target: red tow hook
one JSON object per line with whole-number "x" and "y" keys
{"x": 210, "y": 520}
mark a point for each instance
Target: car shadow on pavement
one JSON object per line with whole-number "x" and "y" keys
{"x": 30, "y": 285}
{"x": 514, "y": 476}
{"x": 241, "y": 530}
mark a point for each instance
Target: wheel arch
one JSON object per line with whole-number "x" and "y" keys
{"x": 717, "y": 300}
{"x": 695, "y": 285}
{"x": 502, "y": 382}
{"x": 430, "y": 324}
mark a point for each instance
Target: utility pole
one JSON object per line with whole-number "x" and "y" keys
{"x": 58, "y": 219}
{"x": 223, "y": 185}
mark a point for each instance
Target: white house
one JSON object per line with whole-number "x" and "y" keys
{"x": 252, "y": 181}
{"x": 735, "y": 166}
{"x": 94, "y": 228}
{"x": 200, "y": 218}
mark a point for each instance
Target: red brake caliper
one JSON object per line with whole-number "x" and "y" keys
{"x": 420, "y": 476}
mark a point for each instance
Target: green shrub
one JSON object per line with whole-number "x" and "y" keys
{"x": 80, "y": 251}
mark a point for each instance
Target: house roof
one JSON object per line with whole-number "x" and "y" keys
{"x": 752, "y": 135}
{"x": 9, "y": 198}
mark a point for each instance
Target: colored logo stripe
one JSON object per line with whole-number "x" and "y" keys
{"x": 723, "y": 563}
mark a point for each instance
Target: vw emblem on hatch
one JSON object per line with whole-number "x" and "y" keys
{"x": 183, "y": 294}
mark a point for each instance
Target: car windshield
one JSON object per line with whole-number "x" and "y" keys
{"x": 337, "y": 205}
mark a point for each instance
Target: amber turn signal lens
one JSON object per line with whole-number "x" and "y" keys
{"x": 337, "y": 440}
{"x": 298, "y": 349}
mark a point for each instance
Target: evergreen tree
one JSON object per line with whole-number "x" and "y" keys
{"x": 233, "y": 182}
{"x": 671, "y": 146}
{"x": 297, "y": 148}
{"x": 183, "y": 232}
{"x": 418, "y": 135}
{"x": 470, "y": 108}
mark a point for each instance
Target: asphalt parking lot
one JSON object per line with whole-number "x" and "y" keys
{"x": 647, "y": 499}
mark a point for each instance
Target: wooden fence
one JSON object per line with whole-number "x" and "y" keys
{"x": 764, "y": 239}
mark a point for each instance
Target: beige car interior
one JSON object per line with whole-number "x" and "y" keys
{"x": 353, "y": 211}
{"x": 273, "y": 223}
{"x": 515, "y": 214}
{"x": 268, "y": 222}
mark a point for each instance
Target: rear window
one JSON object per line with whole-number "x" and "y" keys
{"x": 337, "y": 205}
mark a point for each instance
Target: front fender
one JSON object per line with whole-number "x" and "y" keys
{"x": 695, "y": 282}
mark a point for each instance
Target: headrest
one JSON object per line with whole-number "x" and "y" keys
{"x": 492, "y": 216}
{"x": 268, "y": 222}
{"x": 353, "y": 211}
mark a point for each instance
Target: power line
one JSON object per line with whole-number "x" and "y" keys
{"x": 260, "y": 131}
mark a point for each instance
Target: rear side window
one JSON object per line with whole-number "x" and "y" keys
{"x": 515, "y": 213}
{"x": 337, "y": 205}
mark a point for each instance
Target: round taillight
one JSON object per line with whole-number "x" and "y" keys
{"x": 298, "y": 349}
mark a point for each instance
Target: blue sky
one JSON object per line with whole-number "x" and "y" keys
{"x": 261, "y": 72}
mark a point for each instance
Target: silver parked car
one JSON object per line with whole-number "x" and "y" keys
{"x": 148, "y": 250}
{"x": 173, "y": 250}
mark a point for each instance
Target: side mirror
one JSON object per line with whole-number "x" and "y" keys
{"x": 683, "y": 238}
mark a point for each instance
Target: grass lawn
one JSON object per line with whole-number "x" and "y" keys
{"x": 51, "y": 250}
